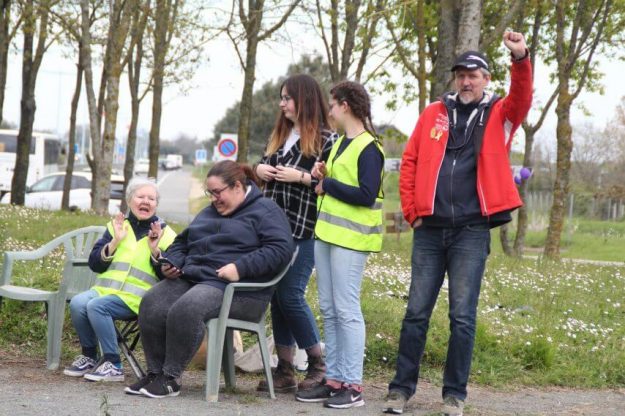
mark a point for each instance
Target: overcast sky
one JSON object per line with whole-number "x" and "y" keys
{"x": 218, "y": 82}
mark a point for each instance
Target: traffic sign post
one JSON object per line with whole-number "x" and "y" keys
{"x": 227, "y": 147}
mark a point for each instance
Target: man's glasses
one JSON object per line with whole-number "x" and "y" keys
{"x": 215, "y": 193}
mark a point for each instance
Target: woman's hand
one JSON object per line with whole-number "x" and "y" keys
{"x": 228, "y": 272}
{"x": 319, "y": 188}
{"x": 154, "y": 236}
{"x": 266, "y": 173}
{"x": 288, "y": 174}
{"x": 170, "y": 271}
{"x": 417, "y": 223}
{"x": 319, "y": 170}
{"x": 119, "y": 232}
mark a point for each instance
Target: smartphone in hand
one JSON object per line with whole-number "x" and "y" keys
{"x": 165, "y": 260}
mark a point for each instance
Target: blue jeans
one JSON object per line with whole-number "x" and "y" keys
{"x": 93, "y": 316}
{"x": 462, "y": 253}
{"x": 291, "y": 318}
{"x": 339, "y": 277}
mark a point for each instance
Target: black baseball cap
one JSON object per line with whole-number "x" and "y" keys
{"x": 471, "y": 60}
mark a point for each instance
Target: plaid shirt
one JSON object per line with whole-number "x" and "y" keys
{"x": 298, "y": 200}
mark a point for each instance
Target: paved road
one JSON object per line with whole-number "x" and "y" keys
{"x": 175, "y": 187}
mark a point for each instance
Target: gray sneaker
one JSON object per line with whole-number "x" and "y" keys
{"x": 452, "y": 406}
{"x": 80, "y": 366}
{"x": 395, "y": 403}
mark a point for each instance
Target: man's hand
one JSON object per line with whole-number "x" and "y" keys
{"x": 417, "y": 223}
{"x": 515, "y": 42}
{"x": 228, "y": 272}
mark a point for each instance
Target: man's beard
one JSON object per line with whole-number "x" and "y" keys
{"x": 465, "y": 99}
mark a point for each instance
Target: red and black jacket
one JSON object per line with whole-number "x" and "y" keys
{"x": 425, "y": 150}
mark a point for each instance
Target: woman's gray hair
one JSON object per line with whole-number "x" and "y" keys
{"x": 139, "y": 182}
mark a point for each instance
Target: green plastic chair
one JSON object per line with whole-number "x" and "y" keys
{"x": 220, "y": 350}
{"x": 77, "y": 277}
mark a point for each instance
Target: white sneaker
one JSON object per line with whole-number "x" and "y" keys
{"x": 107, "y": 371}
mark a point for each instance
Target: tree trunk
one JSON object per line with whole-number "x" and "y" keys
{"x": 422, "y": 56}
{"x": 134, "y": 78}
{"x": 5, "y": 20}
{"x": 71, "y": 150}
{"x": 118, "y": 31}
{"x": 469, "y": 26}
{"x": 162, "y": 13}
{"x": 245, "y": 108}
{"x": 505, "y": 240}
{"x": 563, "y": 168}
{"x": 447, "y": 35}
{"x": 94, "y": 118}
{"x": 522, "y": 221}
{"x": 27, "y": 116}
{"x": 31, "y": 62}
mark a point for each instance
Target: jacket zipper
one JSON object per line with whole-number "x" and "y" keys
{"x": 451, "y": 191}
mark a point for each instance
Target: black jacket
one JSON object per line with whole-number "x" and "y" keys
{"x": 256, "y": 237}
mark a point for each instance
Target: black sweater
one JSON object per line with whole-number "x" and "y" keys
{"x": 256, "y": 237}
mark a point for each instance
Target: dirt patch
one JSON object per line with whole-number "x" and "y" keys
{"x": 33, "y": 390}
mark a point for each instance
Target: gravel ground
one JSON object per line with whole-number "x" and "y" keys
{"x": 29, "y": 389}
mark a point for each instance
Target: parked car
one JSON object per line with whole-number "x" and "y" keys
{"x": 47, "y": 192}
{"x": 142, "y": 166}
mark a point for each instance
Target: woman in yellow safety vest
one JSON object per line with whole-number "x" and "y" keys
{"x": 124, "y": 259}
{"x": 348, "y": 228}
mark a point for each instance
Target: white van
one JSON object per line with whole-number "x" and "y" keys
{"x": 173, "y": 162}
{"x": 44, "y": 156}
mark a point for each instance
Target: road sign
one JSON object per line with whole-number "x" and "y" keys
{"x": 200, "y": 156}
{"x": 227, "y": 147}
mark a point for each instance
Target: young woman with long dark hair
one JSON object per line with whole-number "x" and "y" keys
{"x": 300, "y": 137}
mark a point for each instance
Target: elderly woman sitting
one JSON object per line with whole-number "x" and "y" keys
{"x": 241, "y": 236}
{"x": 126, "y": 272}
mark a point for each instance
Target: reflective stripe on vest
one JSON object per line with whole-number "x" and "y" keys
{"x": 346, "y": 225}
{"x": 123, "y": 286}
{"x": 350, "y": 225}
{"x": 134, "y": 272}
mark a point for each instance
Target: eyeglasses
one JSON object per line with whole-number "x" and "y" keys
{"x": 215, "y": 194}
{"x": 285, "y": 98}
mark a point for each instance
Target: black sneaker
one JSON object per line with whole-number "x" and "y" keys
{"x": 161, "y": 386}
{"x": 317, "y": 393}
{"x": 141, "y": 383}
{"x": 345, "y": 399}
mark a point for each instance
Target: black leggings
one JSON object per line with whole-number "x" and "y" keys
{"x": 172, "y": 320}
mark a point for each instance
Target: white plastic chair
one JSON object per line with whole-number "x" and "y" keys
{"x": 220, "y": 351}
{"x": 77, "y": 277}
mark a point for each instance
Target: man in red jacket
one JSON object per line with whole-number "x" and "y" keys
{"x": 455, "y": 185}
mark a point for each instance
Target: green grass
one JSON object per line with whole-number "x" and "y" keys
{"x": 539, "y": 323}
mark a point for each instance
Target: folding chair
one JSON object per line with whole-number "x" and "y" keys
{"x": 128, "y": 337}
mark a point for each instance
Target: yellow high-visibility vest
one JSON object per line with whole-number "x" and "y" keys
{"x": 131, "y": 275}
{"x": 346, "y": 225}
